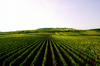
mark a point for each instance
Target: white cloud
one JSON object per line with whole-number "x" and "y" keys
{"x": 24, "y": 14}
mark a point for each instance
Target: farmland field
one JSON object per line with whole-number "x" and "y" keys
{"x": 49, "y": 50}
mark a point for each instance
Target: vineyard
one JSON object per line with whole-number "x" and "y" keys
{"x": 50, "y": 50}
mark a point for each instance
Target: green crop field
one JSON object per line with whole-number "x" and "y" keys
{"x": 50, "y": 49}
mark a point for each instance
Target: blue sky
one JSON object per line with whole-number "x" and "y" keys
{"x": 33, "y": 14}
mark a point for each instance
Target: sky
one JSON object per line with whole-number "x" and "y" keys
{"x": 34, "y": 14}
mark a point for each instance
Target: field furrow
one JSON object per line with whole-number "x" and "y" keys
{"x": 47, "y": 50}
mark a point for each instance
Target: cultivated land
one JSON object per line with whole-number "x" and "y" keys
{"x": 50, "y": 47}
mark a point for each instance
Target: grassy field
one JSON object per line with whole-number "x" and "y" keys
{"x": 72, "y": 48}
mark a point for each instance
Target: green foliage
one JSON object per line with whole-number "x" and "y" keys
{"x": 36, "y": 50}
{"x": 60, "y": 31}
